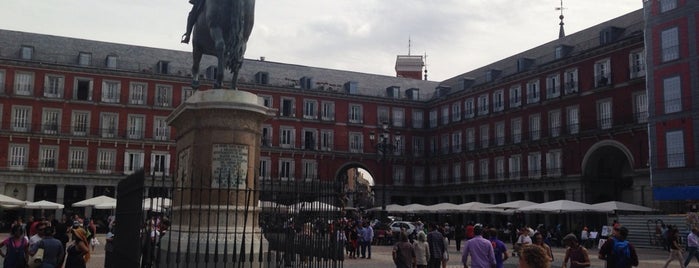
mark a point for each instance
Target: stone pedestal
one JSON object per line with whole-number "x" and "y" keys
{"x": 215, "y": 201}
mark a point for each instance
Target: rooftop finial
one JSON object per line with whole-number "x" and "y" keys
{"x": 409, "y": 40}
{"x": 561, "y": 32}
{"x": 425, "y": 65}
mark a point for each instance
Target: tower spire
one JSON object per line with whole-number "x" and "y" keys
{"x": 409, "y": 44}
{"x": 561, "y": 32}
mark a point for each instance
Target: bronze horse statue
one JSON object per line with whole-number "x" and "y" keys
{"x": 222, "y": 30}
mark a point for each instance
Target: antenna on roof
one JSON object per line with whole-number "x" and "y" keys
{"x": 409, "y": 41}
{"x": 425, "y": 65}
{"x": 561, "y": 32}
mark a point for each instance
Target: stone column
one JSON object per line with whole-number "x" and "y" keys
{"x": 89, "y": 193}
{"x": 218, "y": 150}
{"x": 30, "y": 192}
{"x": 60, "y": 198}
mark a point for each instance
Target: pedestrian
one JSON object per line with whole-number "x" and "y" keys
{"x": 692, "y": 246}
{"x": 617, "y": 251}
{"x": 459, "y": 233}
{"x": 532, "y": 256}
{"x": 539, "y": 241}
{"x": 445, "y": 258}
{"x": 422, "y": 250}
{"x": 53, "y": 248}
{"x": 584, "y": 236}
{"x": 367, "y": 235}
{"x": 480, "y": 250}
{"x": 78, "y": 251}
{"x": 16, "y": 244}
{"x": 435, "y": 240}
{"x": 675, "y": 248}
{"x": 575, "y": 253}
{"x": 522, "y": 240}
{"x": 499, "y": 248}
{"x": 403, "y": 252}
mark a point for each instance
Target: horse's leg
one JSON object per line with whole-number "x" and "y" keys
{"x": 196, "y": 59}
{"x": 217, "y": 36}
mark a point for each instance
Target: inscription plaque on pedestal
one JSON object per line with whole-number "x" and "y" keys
{"x": 229, "y": 166}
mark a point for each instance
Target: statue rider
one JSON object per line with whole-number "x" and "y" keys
{"x": 197, "y": 6}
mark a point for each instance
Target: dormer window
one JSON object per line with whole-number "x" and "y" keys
{"x": 163, "y": 67}
{"x": 262, "y": 78}
{"x": 667, "y": 5}
{"x": 111, "y": 62}
{"x": 562, "y": 51}
{"x": 84, "y": 58}
{"x": 491, "y": 75}
{"x": 393, "y": 92}
{"x": 412, "y": 94}
{"x": 211, "y": 72}
{"x": 524, "y": 64}
{"x": 609, "y": 35}
{"x": 352, "y": 87}
{"x": 306, "y": 82}
{"x": 26, "y": 52}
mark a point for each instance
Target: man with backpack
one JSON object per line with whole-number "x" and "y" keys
{"x": 617, "y": 251}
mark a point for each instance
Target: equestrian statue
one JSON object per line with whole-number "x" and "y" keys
{"x": 221, "y": 28}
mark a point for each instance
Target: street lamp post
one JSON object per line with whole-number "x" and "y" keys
{"x": 384, "y": 146}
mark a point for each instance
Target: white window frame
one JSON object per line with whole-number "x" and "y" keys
{"x": 573, "y": 119}
{"x": 535, "y": 127}
{"x": 398, "y": 117}
{"x": 418, "y": 119}
{"x": 456, "y": 141}
{"x": 287, "y": 137}
{"x": 471, "y": 171}
{"x": 553, "y": 163}
{"x": 674, "y": 149}
{"x": 445, "y": 115}
{"x": 500, "y": 133}
{"x": 77, "y": 159}
{"x": 109, "y": 125}
{"x": 288, "y": 107}
{"x": 163, "y": 96}
{"x": 2, "y": 82}
{"x": 469, "y": 108}
{"x": 499, "y": 100}
{"x": 138, "y": 93}
{"x": 160, "y": 163}
{"x": 470, "y": 139}
{"x": 571, "y": 81}
{"x": 434, "y": 118}
{"x": 106, "y": 161}
{"x": 161, "y": 131}
{"x": 515, "y": 166}
{"x": 310, "y": 109}
{"x": 483, "y": 168}
{"x": 50, "y": 121}
{"x": 554, "y": 120}
{"x": 133, "y": 161}
{"x": 327, "y": 110}
{"x": 355, "y": 113}
{"x": 499, "y": 168}
{"x": 485, "y": 136}
{"x": 48, "y": 158}
{"x": 553, "y": 86}
{"x": 667, "y": 5}
{"x": 327, "y": 140}
{"x": 21, "y": 118}
{"x": 310, "y": 170}
{"x": 605, "y": 114}
{"x": 456, "y": 172}
{"x": 533, "y": 91}
{"x": 640, "y": 107}
{"x": 17, "y": 155}
{"x": 111, "y": 91}
{"x": 265, "y": 170}
{"x": 356, "y": 141}
{"x": 637, "y": 64}
{"x": 672, "y": 94}
{"x": 24, "y": 83}
{"x": 669, "y": 44}
{"x": 515, "y": 96}
{"x": 418, "y": 146}
{"x": 456, "y": 111}
{"x": 286, "y": 169}
{"x": 53, "y": 86}
{"x": 418, "y": 175}
{"x": 603, "y": 73}
{"x": 483, "y": 105}
{"x": 136, "y": 125}
{"x": 516, "y": 129}
{"x": 534, "y": 165}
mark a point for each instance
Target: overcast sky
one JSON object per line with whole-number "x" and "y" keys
{"x": 356, "y": 35}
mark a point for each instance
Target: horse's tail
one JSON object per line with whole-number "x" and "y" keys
{"x": 240, "y": 32}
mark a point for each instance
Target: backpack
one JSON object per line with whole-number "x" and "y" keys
{"x": 621, "y": 252}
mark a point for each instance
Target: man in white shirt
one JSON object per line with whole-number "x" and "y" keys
{"x": 692, "y": 246}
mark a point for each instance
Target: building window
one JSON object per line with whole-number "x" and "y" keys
{"x": 326, "y": 140}
{"x": 328, "y": 111}
{"x": 309, "y": 139}
{"x": 288, "y": 107}
{"x": 456, "y": 112}
{"x": 667, "y": 5}
{"x": 133, "y": 161}
{"x": 555, "y": 123}
{"x": 516, "y": 130}
{"x": 161, "y": 131}
{"x": 433, "y": 118}
{"x": 111, "y": 62}
{"x": 48, "y": 158}
{"x": 534, "y": 164}
{"x": 418, "y": 175}
{"x": 84, "y": 59}
{"x": 640, "y": 107}
{"x": 286, "y": 137}
{"x": 433, "y": 145}
{"x": 188, "y": 92}
{"x": 444, "y": 174}
{"x": 136, "y": 126}
{"x": 456, "y": 172}
{"x": 515, "y": 96}
{"x": 160, "y": 164}
{"x": 356, "y": 142}
{"x": 483, "y": 105}
{"x": 500, "y": 168}
{"x": 51, "y": 121}
{"x": 163, "y": 96}
{"x": 26, "y": 52}
{"x": 553, "y": 163}
{"x": 445, "y": 144}
{"x": 77, "y": 160}
{"x": 470, "y": 139}
{"x": 18, "y": 156}
{"x": 310, "y": 109}
{"x": 553, "y": 85}
{"x": 21, "y": 118}
{"x": 533, "y": 93}
{"x": 53, "y": 86}
{"x": 535, "y": 127}
{"x": 265, "y": 100}
{"x": 515, "y": 168}
{"x": 356, "y": 116}
{"x": 418, "y": 146}
{"x": 602, "y": 73}
{"x": 573, "y": 120}
{"x": 110, "y": 91}
{"x": 83, "y": 89}
{"x": 137, "y": 93}
{"x": 108, "y": 125}
{"x": 80, "y": 123}
{"x": 310, "y": 170}
{"x": 456, "y": 142}
{"x": 500, "y": 133}
{"x": 382, "y": 115}
{"x": 469, "y": 109}
{"x": 470, "y": 172}
{"x": 265, "y": 170}
{"x": 483, "y": 170}
{"x": 24, "y": 83}
{"x": 163, "y": 67}
{"x": 674, "y": 142}
{"x": 485, "y": 136}
{"x": 266, "y": 136}
{"x": 398, "y": 117}
{"x": 637, "y": 63}
{"x": 571, "y": 81}
{"x": 604, "y": 114}
{"x": 418, "y": 119}
{"x": 286, "y": 169}
{"x": 672, "y": 94}
{"x": 445, "y": 115}
{"x": 2, "y": 82}
{"x": 106, "y": 160}
{"x": 498, "y": 100}
{"x": 670, "y": 44}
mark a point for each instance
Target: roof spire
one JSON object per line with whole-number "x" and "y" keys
{"x": 409, "y": 41}
{"x": 425, "y": 65}
{"x": 561, "y": 32}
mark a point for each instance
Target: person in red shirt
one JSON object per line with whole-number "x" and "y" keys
{"x": 469, "y": 231}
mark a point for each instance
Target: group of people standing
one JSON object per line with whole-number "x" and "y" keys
{"x": 48, "y": 244}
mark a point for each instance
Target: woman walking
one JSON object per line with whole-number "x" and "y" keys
{"x": 422, "y": 250}
{"x": 675, "y": 248}
{"x": 79, "y": 250}
{"x": 16, "y": 254}
{"x": 575, "y": 253}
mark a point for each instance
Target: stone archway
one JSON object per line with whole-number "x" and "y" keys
{"x": 358, "y": 194}
{"x": 607, "y": 173}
